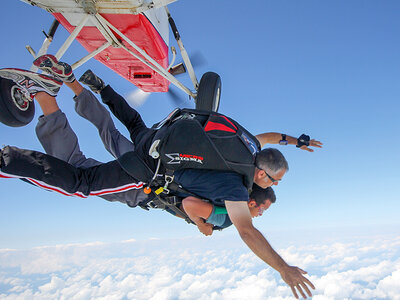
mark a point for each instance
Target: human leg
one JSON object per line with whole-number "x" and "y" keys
{"x": 56, "y": 175}
{"x": 53, "y": 174}
{"x": 118, "y": 106}
{"x": 87, "y": 106}
{"x": 126, "y": 114}
{"x": 59, "y": 140}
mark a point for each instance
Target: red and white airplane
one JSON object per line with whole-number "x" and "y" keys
{"x": 130, "y": 37}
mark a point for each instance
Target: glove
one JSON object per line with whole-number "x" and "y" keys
{"x": 303, "y": 140}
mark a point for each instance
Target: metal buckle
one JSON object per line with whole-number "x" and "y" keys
{"x": 151, "y": 204}
{"x": 188, "y": 116}
{"x": 168, "y": 179}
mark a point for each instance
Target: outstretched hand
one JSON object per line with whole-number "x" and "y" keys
{"x": 313, "y": 143}
{"x": 293, "y": 276}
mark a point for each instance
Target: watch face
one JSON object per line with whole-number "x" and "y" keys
{"x": 283, "y": 142}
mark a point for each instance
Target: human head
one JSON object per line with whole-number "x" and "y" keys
{"x": 260, "y": 200}
{"x": 271, "y": 166}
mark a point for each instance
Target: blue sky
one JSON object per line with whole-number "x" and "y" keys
{"x": 330, "y": 69}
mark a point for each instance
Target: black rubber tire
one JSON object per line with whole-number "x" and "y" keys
{"x": 209, "y": 92}
{"x": 11, "y": 113}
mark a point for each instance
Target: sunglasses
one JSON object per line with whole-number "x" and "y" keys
{"x": 271, "y": 178}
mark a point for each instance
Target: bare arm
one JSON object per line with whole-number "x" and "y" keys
{"x": 199, "y": 211}
{"x": 275, "y": 137}
{"x": 293, "y": 276}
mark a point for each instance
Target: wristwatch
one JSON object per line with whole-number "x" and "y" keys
{"x": 283, "y": 141}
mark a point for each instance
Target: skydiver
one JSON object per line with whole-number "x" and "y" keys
{"x": 59, "y": 140}
{"x": 200, "y": 212}
{"x": 219, "y": 187}
{"x": 206, "y": 215}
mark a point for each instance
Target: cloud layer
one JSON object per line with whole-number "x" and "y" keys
{"x": 197, "y": 269}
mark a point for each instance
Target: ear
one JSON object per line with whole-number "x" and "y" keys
{"x": 252, "y": 203}
{"x": 258, "y": 174}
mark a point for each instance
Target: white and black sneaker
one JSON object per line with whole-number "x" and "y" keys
{"x": 95, "y": 83}
{"x": 32, "y": 83}
{"x": 59, "y": 70}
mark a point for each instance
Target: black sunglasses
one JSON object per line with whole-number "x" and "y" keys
{"x": 269, "y": 176}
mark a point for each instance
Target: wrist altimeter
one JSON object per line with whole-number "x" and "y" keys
{"x": 283, "y": 141}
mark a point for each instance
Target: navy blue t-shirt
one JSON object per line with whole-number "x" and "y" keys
{"x": 215, "y": 186}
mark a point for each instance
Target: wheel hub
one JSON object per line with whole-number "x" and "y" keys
{"x": 20, "y": 100}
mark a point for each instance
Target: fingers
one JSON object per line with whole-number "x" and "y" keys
{"x": 301, "y": 285}
{"x": 301, "y": 271}
{"x": 312, "y": 143}
{"x": 309, "y": 283}
{"x": 294, "y": 292}
{"x": 305, "y": 287}
{"x": 301, "y": 291}
{"x": 316, "y": 143}
{"x": 306, "y": 148}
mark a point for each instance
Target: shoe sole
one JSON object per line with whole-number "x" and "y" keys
{"x": 32, "y": 82}
{"x": 95, "y": 83}
{"x": 51, "y": 65}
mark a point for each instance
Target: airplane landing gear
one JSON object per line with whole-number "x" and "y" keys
{"x": 209, "y": 92}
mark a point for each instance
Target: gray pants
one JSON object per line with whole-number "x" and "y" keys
{"x": 59, "y": 140}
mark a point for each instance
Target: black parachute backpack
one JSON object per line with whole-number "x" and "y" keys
{"x": 205, "y": 140}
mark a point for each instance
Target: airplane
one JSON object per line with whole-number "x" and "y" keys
{"x": 131, "y": 37}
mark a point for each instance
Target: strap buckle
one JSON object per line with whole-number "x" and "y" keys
{"x": 168, "y": 179}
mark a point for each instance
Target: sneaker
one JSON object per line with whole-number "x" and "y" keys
{"x": 95, "y": 83}
{"x": 59, "y": 70}
{"x": 32, "y": 83}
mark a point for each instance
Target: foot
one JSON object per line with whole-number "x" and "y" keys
{"x": 95, "y": 83}
{"x": 59, "y": 70}
{"x": 32, "y": 83}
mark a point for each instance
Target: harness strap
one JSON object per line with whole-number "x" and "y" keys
{"x": 176, "y": 188}
{"x": 170, "y": 203}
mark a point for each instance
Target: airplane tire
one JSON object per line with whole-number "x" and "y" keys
{"x": 209, "y": 92}
{"x": 15, "y": 109}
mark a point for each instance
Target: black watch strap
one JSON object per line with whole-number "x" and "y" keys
{"x": 283, "y": 141}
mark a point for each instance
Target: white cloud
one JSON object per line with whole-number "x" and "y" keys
{"x": 200, "y": 268}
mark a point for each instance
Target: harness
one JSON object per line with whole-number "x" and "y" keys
{"x": 194, "y": 139}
